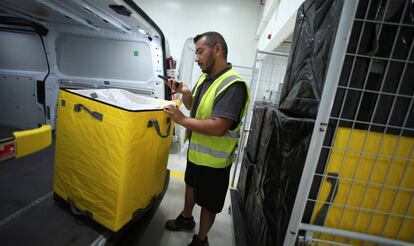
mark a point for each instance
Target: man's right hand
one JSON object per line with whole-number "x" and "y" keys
{"x": 181, "y": 88}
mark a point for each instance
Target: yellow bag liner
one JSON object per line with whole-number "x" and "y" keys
{"x": 382, "y": 182}
{"x": 109, "y": 161}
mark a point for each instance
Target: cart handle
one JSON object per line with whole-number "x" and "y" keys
{"x": 96, "y": 115}
{"x": 154, "y": 122}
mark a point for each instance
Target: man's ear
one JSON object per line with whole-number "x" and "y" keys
{"x": 218, "y": 49}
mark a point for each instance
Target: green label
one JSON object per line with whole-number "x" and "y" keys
{"x": 136, "y": 53}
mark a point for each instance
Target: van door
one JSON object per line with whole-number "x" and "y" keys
{"x": 23, "y": 69}
{"x": 189, "y": 72}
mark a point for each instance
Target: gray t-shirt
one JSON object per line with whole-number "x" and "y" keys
{"x": 229, "y": 104}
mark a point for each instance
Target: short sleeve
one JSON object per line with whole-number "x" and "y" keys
{"x": 229, "y": 104}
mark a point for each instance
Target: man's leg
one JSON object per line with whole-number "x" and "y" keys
{"x": 185, "y": 220}
{"x": 206, "y": 222}
{"x": 188, "y": 202}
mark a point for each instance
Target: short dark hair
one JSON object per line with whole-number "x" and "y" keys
{"x": 213, "y": 38}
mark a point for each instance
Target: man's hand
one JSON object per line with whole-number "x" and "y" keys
{"x": 215, "y": 126}
{"x": 181, "y": 88}
{"x": 175, "y": 114}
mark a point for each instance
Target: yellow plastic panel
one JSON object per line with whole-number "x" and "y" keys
{"x": 375, "y": 185}
{"x": 30, "y": 141}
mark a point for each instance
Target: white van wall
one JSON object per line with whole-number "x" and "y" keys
{"x": 22, "y": 64}
{"x": 236, "y": 20}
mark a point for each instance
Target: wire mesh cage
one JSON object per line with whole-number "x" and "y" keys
{"x": 361, "y": 186}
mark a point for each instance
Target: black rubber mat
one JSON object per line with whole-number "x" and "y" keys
{"x": 24, "y": 180}
{"x": 46, "y": 224}
{"x": 29, "y": 214}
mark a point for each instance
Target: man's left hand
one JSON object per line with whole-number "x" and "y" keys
{"x": 175, "y": 114}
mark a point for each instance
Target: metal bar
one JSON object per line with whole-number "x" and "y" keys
{"x": 372, "y": 91}
{"x": 361, "y": 182}
{"x": 373, "y": 211}
{"x": 373, "y": 124}
{"x": 242, "y": 67}
{"x": 273, "y": 53}
{"x": 365, "y": 153}
{"x": 327, "y": 99}
{"x": 379, "y": 58}
{"x": 329, "y": 242}
{"x": 239, "y": 152}
{"x": 385, "y": 22}
{"x": 356, "y": 235}
{"x": 247, "y": 118}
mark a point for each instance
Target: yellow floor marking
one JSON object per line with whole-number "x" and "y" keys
{"x": 179, "y": 175}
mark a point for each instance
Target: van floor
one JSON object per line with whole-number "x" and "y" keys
{"x": 30, "y": 216}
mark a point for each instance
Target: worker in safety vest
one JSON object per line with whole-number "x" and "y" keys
{"x": 217, "y": 104}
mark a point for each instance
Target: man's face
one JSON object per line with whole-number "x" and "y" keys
{"x": 205, "y": 56}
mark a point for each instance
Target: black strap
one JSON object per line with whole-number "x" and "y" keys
{"x": 320, "y": 217}
{"x": 76, "y": 211}
{"x": 94, "y": 114}
{"x": 154, "y": 122}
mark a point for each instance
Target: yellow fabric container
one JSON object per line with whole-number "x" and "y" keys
{"x": 109, "y": 161}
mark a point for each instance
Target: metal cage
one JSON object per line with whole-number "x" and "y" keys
{"x": 357, "y": 185}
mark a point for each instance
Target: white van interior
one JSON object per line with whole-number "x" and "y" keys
{"x": 48, "y": 44}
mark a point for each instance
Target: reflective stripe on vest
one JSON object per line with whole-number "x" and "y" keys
{"x": 225, "y": 82}
{"x": 205, "y": 150}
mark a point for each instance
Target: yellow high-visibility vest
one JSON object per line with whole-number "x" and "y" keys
{"x": 214, "y": 151}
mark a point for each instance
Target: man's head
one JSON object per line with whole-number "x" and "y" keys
{"x": 210, "y": 49}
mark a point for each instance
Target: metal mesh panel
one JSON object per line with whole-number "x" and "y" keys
{"x": 265, "y": 81}
{"x": 273, "y": 69}
{"x": 363, "y": 181}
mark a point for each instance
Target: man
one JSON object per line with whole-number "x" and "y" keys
{"x": 217, "y": 104}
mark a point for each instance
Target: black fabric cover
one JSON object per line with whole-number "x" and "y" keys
{"x": 313, "y": 38}
{"x": 253, "y": 142}
{"x": 274, "y": 178}
{"x": 250, "y": 157}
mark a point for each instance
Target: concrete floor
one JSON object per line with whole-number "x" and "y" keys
{"x": 155, "y": 234}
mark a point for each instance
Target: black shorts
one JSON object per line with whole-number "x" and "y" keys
{"x": 210, "y": 185}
